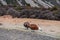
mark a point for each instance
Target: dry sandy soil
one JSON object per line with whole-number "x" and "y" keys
{"x": 48, "y": 26}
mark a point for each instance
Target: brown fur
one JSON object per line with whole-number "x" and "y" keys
{"x": 31, "y": 26}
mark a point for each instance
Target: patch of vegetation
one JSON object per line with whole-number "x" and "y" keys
{"x": 28, "y": 4}
{"x": 11, "y": 1}
{"x": 53, "y": 8}
{"x": 18, "y": 8}
{"x": 14, "y": 5}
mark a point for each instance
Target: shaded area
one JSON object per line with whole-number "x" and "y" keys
{"x": 28, "y": 12}
{"x": 20, "y": 35}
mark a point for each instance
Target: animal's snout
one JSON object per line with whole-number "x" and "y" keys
{"x": 26, "y": 24}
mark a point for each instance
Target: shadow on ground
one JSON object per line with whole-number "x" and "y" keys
{"x": 21, "y": 35}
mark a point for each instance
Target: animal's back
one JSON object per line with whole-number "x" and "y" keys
{"x": 34, "y": 27}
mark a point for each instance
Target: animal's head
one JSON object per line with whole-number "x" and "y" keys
{"x": 26, "y": 23}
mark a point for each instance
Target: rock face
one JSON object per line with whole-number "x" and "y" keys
{"x": 2, "y": 11}
{"x": 3, "y": 2}
{"x": 13, "y": 12}
{"x": 32, "y": 3}
{"x": 20, "y": 35}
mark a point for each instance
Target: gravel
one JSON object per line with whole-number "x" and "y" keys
{"x": 21, "y": 35}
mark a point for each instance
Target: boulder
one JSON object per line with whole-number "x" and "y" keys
{"x": 13, "y": 12}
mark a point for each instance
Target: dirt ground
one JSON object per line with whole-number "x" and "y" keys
{"x": 48, "y": 26}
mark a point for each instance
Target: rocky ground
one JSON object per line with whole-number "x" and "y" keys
{"x": 21, "y": 35}
{"x": 13, "y": 29}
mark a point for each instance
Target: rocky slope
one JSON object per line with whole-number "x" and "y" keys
{"x": 20, "y": 35}
{"x": 32, "y": 3}
{"x": 40, "y": 9}
{"x": 13, "y": 29}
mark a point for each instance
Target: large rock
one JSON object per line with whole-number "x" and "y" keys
{"x": 13, "y": 12}
{"x": 46, "y": 15}
{"x": 2, "y": 11}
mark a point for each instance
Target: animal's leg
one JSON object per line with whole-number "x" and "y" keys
{"x": 26, "y": 28}
{"x": 32, "y": 31}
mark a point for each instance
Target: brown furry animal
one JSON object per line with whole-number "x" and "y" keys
{"x": 31, "y": 26}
